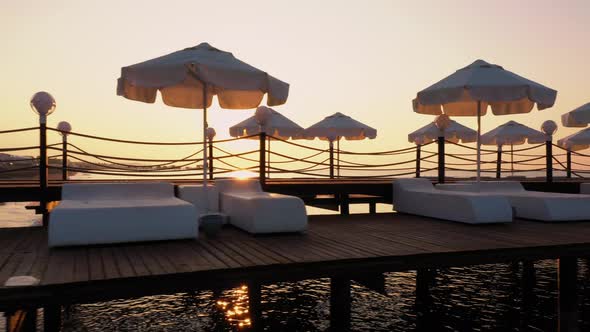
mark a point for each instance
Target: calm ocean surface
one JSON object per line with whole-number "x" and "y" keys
{"x": 477, "y": 298}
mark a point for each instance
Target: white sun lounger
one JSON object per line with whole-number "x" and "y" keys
{"x": 195, "y": 194}
{"x": 536, "y": 205}
{"x": 120, "y": 212}
{"x": 258, "y": 212}
{"x": 419, "y": 197}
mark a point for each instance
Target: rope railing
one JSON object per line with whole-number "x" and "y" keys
{"x": 495, "y": 151}
{"x": 314, "y": 161}
{"x": 10, "y": 131}
{"x": 187, "y": 158}
{"x": 117, "y": 140}
{"x": 12, "y": 170}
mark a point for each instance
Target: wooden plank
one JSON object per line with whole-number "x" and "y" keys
{"x": 146, "y": 252}
{"x": 135, "y": 260}
{"x": 60, "y": 267}
{"x": 124, "y": 266}
{"x": 111, "y": 270}
{"x": 81, "y": 265}
{"x": 9, "y": 268}
{"x": 96, "y": 266}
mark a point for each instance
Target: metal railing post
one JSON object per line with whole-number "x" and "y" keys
{"x": 43, "y": 170}
{"x": 441, "y": 160}
{"x": 210, "y": 159}
{"x": 331, "y": 159}
{"x": 568, "y": 163}
{"x": 549, "y": 160}
{"x": 262, "y": 159}
{"x": 418, "y": 157}
{"x": 499, "y": 162}
{"x": 64, "y": 158}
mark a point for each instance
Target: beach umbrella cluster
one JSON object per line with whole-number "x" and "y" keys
{"x": 472, "y": 89}
{"x": 189, "y": 78}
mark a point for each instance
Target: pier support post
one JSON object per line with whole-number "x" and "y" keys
{"x": 372, "y": 281}
{"x": 568, "y": 300}
{"x": 262, "y": 159}
{"x": 549, "y": 160}
{"x": 52, "y": 318}
{"x": 418, "y": 157}
{"x": 441, "y": 160}
{"x": 372, "y": 207}
{"x": 340, "y": 304}
{"x": 254, "y": 298}
{"x": 423, "y": 279}
{"x": 344, "y": 204}
{"x": 568, "y": 164}
{"x": 423, "y": 305}
{"x": 21, "y": 320}
{"x": 499, "y": 162}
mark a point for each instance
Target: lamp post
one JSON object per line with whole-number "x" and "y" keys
{"x": 442, "y": 122}
{"x": 210, "y": 135}
{"x": 64, "y": 129}
{"x": 549, "y": 127}
{"x": 262, "y": 116}
{"x": 43, "y": 104}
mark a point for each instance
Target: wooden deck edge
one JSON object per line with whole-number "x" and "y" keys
{"x": 130, "y": 287}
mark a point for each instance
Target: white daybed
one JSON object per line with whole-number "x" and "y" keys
{"x": 257, "y": 212}
{"x": 419, "y": 197}
{"x": 120, "y": 212}
{"x": 536, "y": 205}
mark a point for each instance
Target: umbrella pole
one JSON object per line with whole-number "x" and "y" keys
{"x": 478, "y": 140}
{"x": 268, "y": 159}
{"x": 205, "y": 125}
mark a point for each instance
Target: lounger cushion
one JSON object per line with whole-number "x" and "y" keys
{"x": 195, "y": 195}
{"x": 418, "y": 196}
{"x": 120, "y": 212}
{"x": 258, "y": 212}
{"x": 535, "y": 205}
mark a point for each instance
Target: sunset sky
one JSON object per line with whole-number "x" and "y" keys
{"x": 366, "y": 59}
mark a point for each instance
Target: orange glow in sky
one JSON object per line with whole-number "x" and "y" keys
{"x": 364, "y": 59}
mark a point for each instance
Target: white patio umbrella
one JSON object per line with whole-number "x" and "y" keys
{"x": 577, "y": 141}
{"x": 336, "y": 126}
{"x": 276, "y": 125}
{"x": 512, "y": 133}
{"x": 190, "y": 78}
{"x": 455, "y": 132}
{"x": 580, "y": 117}
{"x": 470, "y": 90}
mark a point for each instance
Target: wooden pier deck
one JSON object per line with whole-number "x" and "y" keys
{"x": 335, "y": 246}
